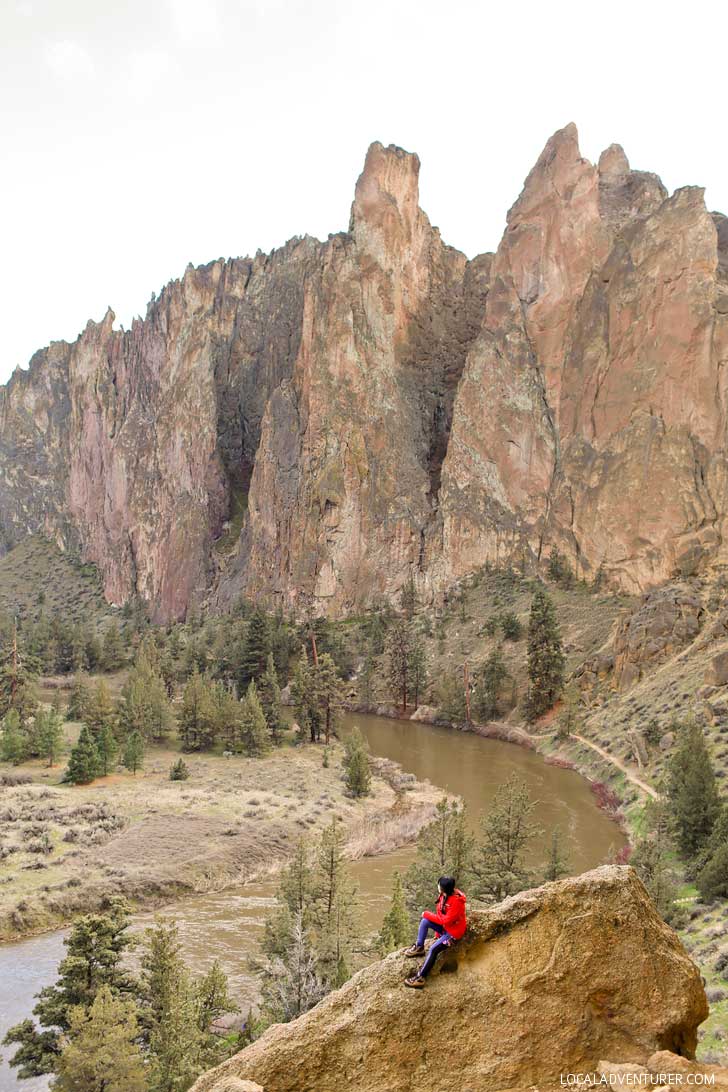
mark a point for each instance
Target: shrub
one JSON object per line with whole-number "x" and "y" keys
{"x": 179, "y": 770}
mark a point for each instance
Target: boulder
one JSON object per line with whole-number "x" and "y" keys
{"x": 716, "y": 674}
{"x": 427, "y": 714}
{"x": 547, "y": 982}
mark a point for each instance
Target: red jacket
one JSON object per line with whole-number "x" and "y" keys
{"x": 450, "y": 913}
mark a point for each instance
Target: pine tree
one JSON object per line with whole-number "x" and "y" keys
{"x": 170, "y": 1014}
{"x": 101, "y": 1053}
{"x": 396, "y": 927}
{"x": 134, "y": 752}
{"x": 253, "y": 728}
{"x": 570, "y": 719}
{"x": 84, "y": 763}
{"x": 48, "y": 734}
{"x": 335, "y": 908}
{"x": 95, "y": 950}
{"x": 108, "y": 749}
{"x": 545, "y": 657}
{"x": 296, "y": 895}
{"x": 304, "y": 695}
{"x": 408, "y": 598}
{"x": 557, "y": 864}
{"x": 79, "y": 699}
{"x": 357, "y": 773}
{"x": 18, "y": 684}
{"x": 144, "y": 705}
{"x": 13, "y": 746}
{"x": 113, "y": 653}
{"x": 490, "y": 684}
{"x": 330, "y": 694}
{"x": 197, "y": 715}
{"x": 100, "y": 709}
{"x": 506, "y": 831}
{"x": 651, "y": 861}
{"x": 270, "y": 698}
{"x": 692, "y": 791}
{"x": 212, "y": 1000}
{"x": 227, "y": 714}
{"x": 418, "y": 668}
{"x": 398, "y": 660}
{"x": 255, "y": 651}
{"x": 179, "y": 771}
{"x": 444, "y": 847}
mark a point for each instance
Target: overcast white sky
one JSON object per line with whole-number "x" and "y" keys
{"x": 142, "y": 135}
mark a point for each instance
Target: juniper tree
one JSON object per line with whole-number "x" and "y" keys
{"x": 100, "y": 1052}
{"x": 545, "y": 657}
{"x": 712, "y": 877}
{"x": 418, "y": 667}
{"x": 304, "y": 694}
{"x": 557, "y": 862}
{"x": 357, "y": 773}
{"x": 491, "y": 681}
{"x": 692, "y": 791}
{"x": 113, "y": 652}
{"x": 399, "y": 660}
{"x": 408, "y": 598}
{"x": 13, "y": 742}
{"x": 84, "y": 763}
{"x": 95, "y": 950}
{"x": 335, "y": 908}
{"x": 296, "y": 895}
{"x": 651, "y": 860}
{"x": 256, "y": 648}
{"x": 253, "y": 728}
{"x": 196, "y": 720}
{"x": 505, "y": 832}
{"x": 48, "y": 734}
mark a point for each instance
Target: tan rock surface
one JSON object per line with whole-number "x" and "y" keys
{"x": 547, "y": 982}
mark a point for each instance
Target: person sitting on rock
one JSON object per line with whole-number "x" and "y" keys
{"x": 448, "y": 923}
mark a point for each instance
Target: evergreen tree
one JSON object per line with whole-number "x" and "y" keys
{"x": 450, "y": 691}
{"x": 651, "y": 862}
{"x": 18, "y": 684}
{"x": 13, "y": 743}
{"x": 227, "y": 712}
{"x": 396, "y": 927}
{"x": 170, "y": 1013}
{"x": 444, "y": 847}
{"x": 108, "y": 749}
{"x": 545, "y": 657}
{"x": 296, "y": 895}
{"x": 179, "y": 770}
{"x": 292, "y": 984}
{"x": 570, "y": 718}
{"x": 113, "y": 652}
{"x": 304, "y": 695}
{"x": 101, "y": 1052}
{"x": 336, "y": 908}
{"x": 418, "y": 668}
{"x": 408, "y": 598}
{"x": 330, "y": 694}
{"x": 253, "y": 728}
{"x": 197, "y": 715}
{"x": 144, "y": 705}
{"x": 212, "y": 1000}
{"x": 357, "y": 773}
{"x": 506, "y": 830}
{"x": 84, "y": 763}
{"x": 95, "y": 950}
{"x": 79, "y": 699}
{"x": 692, "y": 791}
{"x": 134, "y": 752}
{"x": 48, "y": 734}
{"x": 559, "y": 570}
{"x": 490, "y": 685}
{"x": 712, "y": 876}
{"x": 270, "y": 698}
{"x": 100, "y": 709}
{"x": 256, "y": 649}
{"x": 557, "y": 863}
{"x": 399, "y": 660}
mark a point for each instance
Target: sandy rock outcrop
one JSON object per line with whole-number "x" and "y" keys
{"x": 547, "y": 982}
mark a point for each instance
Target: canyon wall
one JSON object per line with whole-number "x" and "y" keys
{"x": 314, "y": 425}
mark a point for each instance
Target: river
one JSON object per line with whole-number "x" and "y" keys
{"x": 226, "y": 926}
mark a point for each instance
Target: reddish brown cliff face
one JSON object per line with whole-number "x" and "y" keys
{"x": 377, "y": 405}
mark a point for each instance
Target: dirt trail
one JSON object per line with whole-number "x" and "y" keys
{"x": 620, "y": 766}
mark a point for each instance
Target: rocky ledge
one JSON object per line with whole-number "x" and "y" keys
{"x": 550, "y": 982}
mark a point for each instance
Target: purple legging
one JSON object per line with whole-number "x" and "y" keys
{"x": 443, "y": 941}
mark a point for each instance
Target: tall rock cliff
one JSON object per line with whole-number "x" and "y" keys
{"x": 313, "y": 425}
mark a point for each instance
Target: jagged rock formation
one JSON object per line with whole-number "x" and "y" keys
{"x": 314, "y": 425}
{"x": 550, "y": 981}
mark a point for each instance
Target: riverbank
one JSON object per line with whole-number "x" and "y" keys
{"x": 68, "y": 849}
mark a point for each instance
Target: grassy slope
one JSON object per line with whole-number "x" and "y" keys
{"x": 36, "y": 568}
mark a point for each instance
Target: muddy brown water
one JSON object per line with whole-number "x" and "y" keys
{"x": 227, "y": 926}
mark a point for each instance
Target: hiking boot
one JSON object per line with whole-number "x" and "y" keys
{"x": 415, "y": 951}
{"x": 416, "y": 982}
